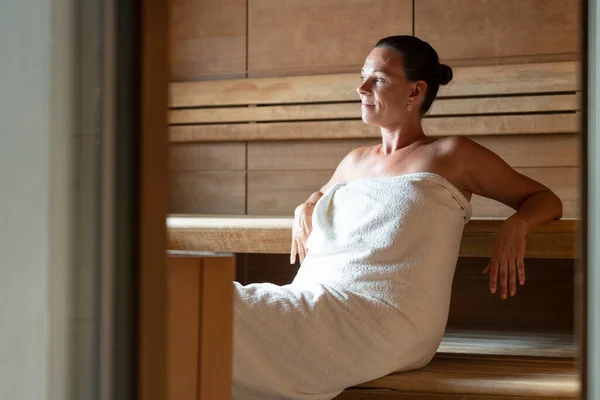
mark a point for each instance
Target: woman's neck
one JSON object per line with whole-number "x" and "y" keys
{"x": 400, "y": 137}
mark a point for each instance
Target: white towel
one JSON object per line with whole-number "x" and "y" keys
{"x": 371, "y": 297}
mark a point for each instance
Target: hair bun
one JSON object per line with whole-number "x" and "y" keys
{"x": 445, "y": 74}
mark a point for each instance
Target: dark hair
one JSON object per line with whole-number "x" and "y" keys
{"x": 421, "y": 63}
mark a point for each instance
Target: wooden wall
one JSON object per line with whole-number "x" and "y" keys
{"x": 224, "y": 39}
{"x": 218, "y": 39}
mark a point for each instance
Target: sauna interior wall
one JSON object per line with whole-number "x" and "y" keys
{"x": 227, "y": 39}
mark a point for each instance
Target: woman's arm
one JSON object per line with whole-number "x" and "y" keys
{"x": 487, "y": 175}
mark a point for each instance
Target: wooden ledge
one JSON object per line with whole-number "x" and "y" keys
{"x": 265, "y": 234}
{"x": 458, "y": 376}
{"x": 509, "y": 343}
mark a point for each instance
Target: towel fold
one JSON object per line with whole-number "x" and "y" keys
{"x": 370, "y": 298}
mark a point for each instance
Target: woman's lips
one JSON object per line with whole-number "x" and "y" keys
{"x": 366, "y": 105}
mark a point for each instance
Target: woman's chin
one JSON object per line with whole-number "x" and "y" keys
{"x": 368, "y": 119}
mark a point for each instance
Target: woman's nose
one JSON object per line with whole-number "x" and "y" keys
{"x": 363, "y": 88}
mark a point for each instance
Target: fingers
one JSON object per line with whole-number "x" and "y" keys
{"x": 512, "y": 277}
{"x": 521, "y": 269}
{"x": 293, "y": 252}
{"x": 493, "y": 271}
{"x": 503, "y": 280}
{"x": 301, "y": 251}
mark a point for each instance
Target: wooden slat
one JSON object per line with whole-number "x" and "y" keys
{"x": 208, "y": 192}
{"x": 216, "y": 328}
{"x": 467, "y": 81}
{"x": 498, "y": 28}
{"x": 279, "y": 192}
{"x": 446, "y": 126}
{"x": 483, "y": 376}
{"x": 207, "y": 156}
{"x": 208, "y": 38}
{"x": 462, "y": 106}
{"x": 183, "y": 327}
{"x": 272, "y": 235}
{"x": 518, "y": 151}
{"x": 526, "y": 344}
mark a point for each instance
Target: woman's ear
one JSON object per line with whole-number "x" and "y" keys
{"x": 417, "y": 92}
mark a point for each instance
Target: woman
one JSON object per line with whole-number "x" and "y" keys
{"x": 379, "y": 243}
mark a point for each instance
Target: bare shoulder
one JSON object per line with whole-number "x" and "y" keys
{"x": 346, "y": 166}
{"x": 464, "y": 154}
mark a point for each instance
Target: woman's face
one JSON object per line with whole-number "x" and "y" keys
{"x": 385, "y": 93}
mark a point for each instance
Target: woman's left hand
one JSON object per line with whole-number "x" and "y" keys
{"x": 507, "y": 258}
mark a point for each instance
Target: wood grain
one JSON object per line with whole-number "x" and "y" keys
{"x": 313, "y": 33}
{"x": 461, "y": 106}
{"x": 471, "y": 375}
{"x": 518, "y": 151}
{"x": 183, "y": 327}
{"x": 446, "y": 126}
{"x": 279, "y": 192}
{"x": 255, "y": 234}
{"x": 208, "y": 38}
{"x": 216, "y": 328}
{"x": 207, "y": 156}
{"x": 498, "y": 28}
{"x": 468, "y": 81}
{"x": 208, "y": 192}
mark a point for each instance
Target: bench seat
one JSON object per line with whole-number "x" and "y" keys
{"x": 259, "y": 234}
{"x": 475, "y": 377}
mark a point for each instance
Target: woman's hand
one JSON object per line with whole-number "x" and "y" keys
{"x": 508, "y": 258}
{"x": 301, "y": 230}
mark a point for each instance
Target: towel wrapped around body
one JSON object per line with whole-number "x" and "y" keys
{"x": 371, "y": 297}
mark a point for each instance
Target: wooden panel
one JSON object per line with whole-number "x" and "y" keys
{"x": 183, "y": 327}
{"x": 470, "y": 375}
{"x": 518, "y": 151}
{"x": 545, "y": 302}
{"x": 447, "y": 126}
{"x": 273, "y": 268}
{"x": 498, "y": 28}
{"x": 280, "y": 192}
{"x": 199, "y": 192}
{"x": 241, "y": 234}
{"x": 207, "y": 156}
{"x": 216, "y": 328}
{"x": 301, "y": 34}
{"x": 467, "y": 81}
{"x": 465, "y": 106}
{"x": 208, "y": 38}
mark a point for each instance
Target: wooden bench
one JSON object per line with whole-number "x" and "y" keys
{"x": 253, "y": 234}
{"x": 246, "y": 152}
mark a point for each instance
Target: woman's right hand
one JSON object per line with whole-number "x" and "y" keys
{"x": 301, "y": 230}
